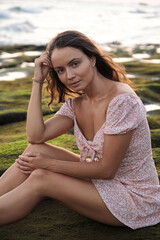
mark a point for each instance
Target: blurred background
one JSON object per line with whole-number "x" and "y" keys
{"x": 36, "y": 22}
{"x": 129, "y": 30}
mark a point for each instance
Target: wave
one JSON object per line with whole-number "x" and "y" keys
{"x": 20, "y": 27}
{"x": 138, "y": 11}
{"x": 26, "y": 10}
{"x": 3, "y": 15}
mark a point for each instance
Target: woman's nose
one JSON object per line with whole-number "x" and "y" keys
{"x": 70, "y": 73}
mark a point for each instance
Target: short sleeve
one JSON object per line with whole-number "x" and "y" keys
{"x": 67, "y": 109}
{"x": 125, "y": 113}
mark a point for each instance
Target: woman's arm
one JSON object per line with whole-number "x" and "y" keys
{"x": 39, "y": 131}
{"x": 115, "y": 147}
{"x": 35, "y": 123}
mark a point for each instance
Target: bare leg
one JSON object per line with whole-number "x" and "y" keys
{"x": 80, "y": 195}
{"x": 13, "y": 177}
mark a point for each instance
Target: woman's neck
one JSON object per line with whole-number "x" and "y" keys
{"x": 99, "y": 88}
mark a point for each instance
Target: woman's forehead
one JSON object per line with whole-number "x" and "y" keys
{"x": 65, "y": 54}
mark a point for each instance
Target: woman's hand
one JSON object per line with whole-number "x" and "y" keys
{"x": 31, "y": 161}
{"x": 42, "y": 66}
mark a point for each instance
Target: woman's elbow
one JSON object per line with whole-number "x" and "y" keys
{"x": 33, "y": 140}
{"x": 108, "y": 174}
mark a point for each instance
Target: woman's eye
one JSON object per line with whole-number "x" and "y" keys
{"x": 75, "y": 64}
{"x": 60, "y": 71}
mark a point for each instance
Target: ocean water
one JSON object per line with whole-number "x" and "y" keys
{"x": 36, "y": 22}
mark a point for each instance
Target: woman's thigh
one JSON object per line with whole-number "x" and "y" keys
{"x": 47, "y": 149}
{"x": 13, "y": 177}
{"x": 79, "y": 195}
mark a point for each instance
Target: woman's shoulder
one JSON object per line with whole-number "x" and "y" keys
{"x": 122, "y": 91}
{"x": 125, "y": 112}
{"x": 125, "y": 100}
{"x": 120, "y": 88}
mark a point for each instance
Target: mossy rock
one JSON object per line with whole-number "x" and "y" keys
{"x": 50, "y": 220}
{"x": 12, "y": 116}
{"x": 121, "y": 53}
{"x": 21, "y": 48}
{"x": 155, "y": 137}
{"x": 154, "y": 122}
{"x": 145, "y": 69}
{"x": 14, "y": 99}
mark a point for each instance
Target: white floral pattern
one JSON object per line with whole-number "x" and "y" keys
{"x": 133, "y": 196}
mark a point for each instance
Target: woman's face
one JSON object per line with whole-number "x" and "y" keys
{"x": 74, "y": 69}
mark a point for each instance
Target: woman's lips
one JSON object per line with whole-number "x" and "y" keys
{"x": 75, "y": 84}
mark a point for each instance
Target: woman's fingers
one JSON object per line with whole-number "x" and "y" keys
{"x": 24, "y": 158}
{"x": 27, "y": 160}
{"x": 27, "y": 163}
{"x": 30, "y": 154}
{"x": 43, "y": 60}
{"x": 25, "y": 172}
{"x": 24, "y": 168}
{"x": 22, "y": 163}
{"x": 30, "y": 161}
{"x": 42, "y": 67}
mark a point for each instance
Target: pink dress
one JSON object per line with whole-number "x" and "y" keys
{"x": 133, "y": 196}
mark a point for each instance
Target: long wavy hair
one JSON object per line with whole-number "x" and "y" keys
{"x": 104, "y": 63}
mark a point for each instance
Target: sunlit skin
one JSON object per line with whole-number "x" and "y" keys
{"x": 44, "y": 170}
{"x": 73, "y": 67}
{"x": 77, "y": 71}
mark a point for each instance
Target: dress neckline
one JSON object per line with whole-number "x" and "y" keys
{"x": 88, "y": 140}
{"x": 102, "y": 126}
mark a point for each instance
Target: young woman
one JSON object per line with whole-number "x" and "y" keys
{"x": 114, "y": 180}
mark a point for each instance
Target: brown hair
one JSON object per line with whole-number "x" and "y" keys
{"x": 104, "y": 63}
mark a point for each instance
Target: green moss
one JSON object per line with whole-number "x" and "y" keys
{"x": 15, "y": 94}
{"x": 14, "y": 99}
{"x": 121, "y": 53}
{"x": 147, "y": 89}
{"x": 155, "y": 56}
{"x": 140, "y": 68}
{"x": 21, "y": 48}
{"x": 155, "y": 137}
{"x": 154, "y": 121}
{"x": 50, "y": 220}
{"x": 145, "y": 93}
{"x": 148, "y": 48}
{"x": 13, "y": 142}
{"x": 156, "y": 156}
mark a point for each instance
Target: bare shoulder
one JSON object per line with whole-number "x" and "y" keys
{"x": 121, "y": 88}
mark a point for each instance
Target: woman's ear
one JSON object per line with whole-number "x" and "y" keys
{"x": 93, "y": 60}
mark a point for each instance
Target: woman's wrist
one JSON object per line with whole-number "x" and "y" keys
{"x": 38, "y": 81}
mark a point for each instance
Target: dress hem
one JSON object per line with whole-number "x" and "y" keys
{"x": 118, "y": 217}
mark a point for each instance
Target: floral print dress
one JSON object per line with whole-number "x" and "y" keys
{"x": 133, "y": 195}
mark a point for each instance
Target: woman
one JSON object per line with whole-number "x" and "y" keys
{"x": 114, "y": 180}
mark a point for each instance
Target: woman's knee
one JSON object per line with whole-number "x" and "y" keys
{"x": 33, "y": 147}
{"x": 43, "y": 177}
{"x": 39, "y": 174}
{"x": 37, "y": 179}
{"x": 46, "y": 181}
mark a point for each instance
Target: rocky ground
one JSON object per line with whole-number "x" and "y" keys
{"x": 51, "y": 220}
